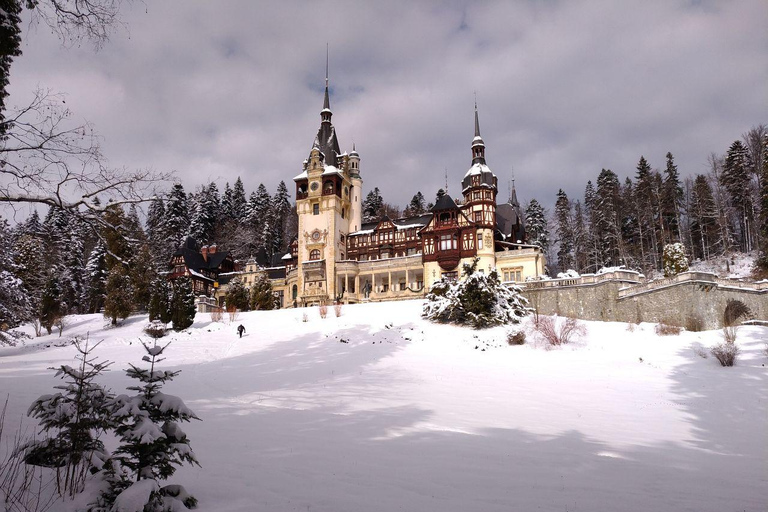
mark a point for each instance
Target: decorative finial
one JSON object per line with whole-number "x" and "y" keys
{"x": 326, "y": 64}
{"x": 446, "y": 180}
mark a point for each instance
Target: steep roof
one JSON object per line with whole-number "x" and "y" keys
{"x": 445, "y": 203}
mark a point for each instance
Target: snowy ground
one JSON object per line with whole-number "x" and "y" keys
{"x": 380, "y": 411}
{"x": 737, "y": 265}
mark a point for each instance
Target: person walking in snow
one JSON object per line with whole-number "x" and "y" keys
{"x": 240, "y": 330}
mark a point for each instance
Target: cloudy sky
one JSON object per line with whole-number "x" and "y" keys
{"x": 216, "y": 90}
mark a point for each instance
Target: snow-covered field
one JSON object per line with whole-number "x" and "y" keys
{"x": 379, "y": 410}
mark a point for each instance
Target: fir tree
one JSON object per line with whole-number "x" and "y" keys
{"x": 118, "y": 303}
{"x": 116, "y": 236}
{"x": 416, "y": 206}
{"x": 238, "y": 206}
{"x": 73, "y": 420}
{"x": 580, "y": 238}
{"x": 152, "y": 443}
{"x": 607, "y": 230}
{"x": 672, "y": 198}
{"x": 261, "y": 293}
{"x": 142, "y": 274}
{"x": 703, "y": 216}
{"x": 176, "y": 223}
{"x": 372, "y": 205}
{"x": 51, "y": 309}
{"x": 10, "y": 42}
{"x": 564, "y": 231}
{"x": 259, "y": 205}
{"x": 536, "y": 225}
{"x": 206, "y": 214}
{"x": 237, "y": 295}
{"x": 156, "y": 233}
{"x": 15, "y": 303}
{"x": 281, "y": 208}
{"x": 736, "y": 180}
{"x": 182, "y": 304}
{"x": 96, "y": 279}
{"x": 160, "y": 300}
{"x": 762, "y": 260}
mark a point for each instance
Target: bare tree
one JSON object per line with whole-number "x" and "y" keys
{"x": 75, "y": 20}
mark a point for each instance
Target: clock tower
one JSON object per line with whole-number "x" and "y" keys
{"x": 328, "y": 204}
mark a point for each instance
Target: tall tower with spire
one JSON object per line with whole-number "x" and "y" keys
{"x": 328, "y": 204}
{"x": 480, "y": 187}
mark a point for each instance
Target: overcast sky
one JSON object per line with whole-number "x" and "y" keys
{"x": 216, "y": 90}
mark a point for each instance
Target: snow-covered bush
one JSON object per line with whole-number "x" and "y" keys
{"x": 237, "y": 295}
{"x": 726, "y": 353}
{"x": 674, "y": 259}
{"x": 666, "y": 329}
{"x": 557, "y": 333}
{"x": 568, "y": 274}
{"x": 515, "y": 337}
{"x": 155, "y": 329}
{"x": 74, "y": 419}
{"x": 152, "y": 444}
{"x": 477, "y": 300}
{"x": 262, "y": 297}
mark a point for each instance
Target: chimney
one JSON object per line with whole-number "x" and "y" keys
{"x": 204, "y": 252}
{"x": 212, "y": 249}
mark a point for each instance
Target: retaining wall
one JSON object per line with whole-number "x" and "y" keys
{"x": 626, "y": 297}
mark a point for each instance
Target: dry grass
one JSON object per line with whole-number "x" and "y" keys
{"x": 337, "y": 309}
{"x": 665, "y": 329}
{"x": 562, "y": 334}
{"x": 304, "y": 317}
{"x": 726, "y": 353}
{"x": 729, "y": 334}
{"x": 233, "y": 313}
{"x": 217, "y": 315}
{"x": 694, "y": 323}
{"x": 515, "y": 337}
{"x": 323, "y": 310}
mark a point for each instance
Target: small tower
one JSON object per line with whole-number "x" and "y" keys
{"x": 355, "y": 191}
{"x": 479, "y": 188}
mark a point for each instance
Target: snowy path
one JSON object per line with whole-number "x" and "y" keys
{"x": 406, "y": 415}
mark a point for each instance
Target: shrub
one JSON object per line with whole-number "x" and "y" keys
{"x": 155, "y": 329}
{"x": 726, "y": 353}
{"x": 515, "y": 337}
{"x": 323, "y": 309}
{"x": 694, "y": 323}
{"x": 477, "y": 300}
{"x": 665, "y": 329}
{"x": 237, "y": 295}
{"x": 729, "y": 334}
{"x": 337, "y": 309}
{"x": 217, "y": 314}
{"x": 674, "y": 259}
{"x": 261, "y": 293}
{"x": 182, "y": 304}
{"x": 232, "y": 311}
{"x": 567, "y": 331}
{"x": 304, "y": 317}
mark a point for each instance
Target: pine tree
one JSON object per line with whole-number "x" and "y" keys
{"x": 118, "y": 303}
{"x": 182, "y": 304}
{"x": 703, "y": 216}
{"x": 15, "y": 303}
{"x": 160, "y": 301}
{"x": 372, "y": 205}
{"x": 737, "y": 182}
{"x": 281, "y": 208}
{"x": 259, "y": 205}
{"x": 536, "y": 225}
{"x": 564, "y": 230}
{"x": 261, "y": 293}
{"x": 176, "y": 216}
{"x": 10, "y": 42}
{"x": 606, "y": 215}
{"x": 594, "y": 256}
{"x": 142, "y": 275}
{"x": 762, "y": 260}
{"x": 580, "y": 239}
{"x": 416, "y": 206}
{"x": 73, "y": 420}
{"x": 51, "y": 309}
{"x": 116, "y": 237}
{"x": 96, "y": 279}
{"x": 237, "y": 295}
{"x": 238, "y": 206}
{"x": 672, "y": 199}
{"x": 156, "y": 234}
{"x": 152, "y": 443}
{"x": 206, "y": 214}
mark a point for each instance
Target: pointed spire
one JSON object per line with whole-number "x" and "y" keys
{"x": 326, "y": 101}
{"x": 478, "y": 146}
{"x": 477, "y": 122}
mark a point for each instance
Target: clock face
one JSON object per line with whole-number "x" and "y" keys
{"x": 315, "y": 236}
{"x": 314, "y": 186}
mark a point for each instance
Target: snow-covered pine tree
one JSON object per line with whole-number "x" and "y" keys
{"x": 73, "y": 421}
{"x": 477, "y": 300}
{"x": 703, "y": 216}
{"x": 675, "y": 260}
{"x": 15, "y": 304}
{"x": 157, "y": 237}
{"x": 116, "y": 236}
{"x": 142, "y": 273}
{"x": 372, "y": 205}
{"x": 536, "y": 225}
{"x": 96, "y": 279}
{"x": 160, "y": 300}
{"x": 182, "y": 304}
{"x": 259, "y": 205}
{"x": 261, "y": 293}
{"x": 630, "y": 225}
{"x": 594, "y": 255}
{"x": 606, "y": 213}
{"x": 736, "y": 179}
{"x": 237, "y": 295}
{"x": 176, "y": 223}
{"x": 564, "y": 230}
{"x": 762, "y": 260}
{"x": 227, "y": 203}
{"x": 118, "y": 303}
{"x": 152, "y": 443}
{"x": 10, "y": 32}
{"x": 671, "y": 199}
{"x": 580, "y": 238}
{"x": 281, "y": 207}
{"x": 206, "y": 214}
{"x": 238, "y": 206}
{"x": 51, "y": 308}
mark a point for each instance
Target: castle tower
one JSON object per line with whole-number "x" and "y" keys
{"x": 355, "y": 191}
{"x": 325, "y": 202}
{"x": 479, "y": 187}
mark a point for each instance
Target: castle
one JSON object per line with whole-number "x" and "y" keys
{"x": 339, "y": 257}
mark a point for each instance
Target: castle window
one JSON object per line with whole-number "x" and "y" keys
{"x": 478, "y": 216}
{"x": 476, "y": 194}
{"x": 314, "y": 254}
{"x": 328, "y": 187}
{"x": 315, "y": 209}
{"x": 479, "y": 240}
{"x": 447, "y": 242}
{"x": 513, "y": 274}
{"x": 343, "y": 212}
{"x": 450, "y": 276}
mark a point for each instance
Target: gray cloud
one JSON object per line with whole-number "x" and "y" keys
{"x": 217, "y": 90}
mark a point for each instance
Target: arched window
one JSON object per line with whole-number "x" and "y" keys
{"x": 295, "y": 291}
{"x": 314, "y": 254}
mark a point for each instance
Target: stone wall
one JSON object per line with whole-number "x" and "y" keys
{"x": 624, "y": 297}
